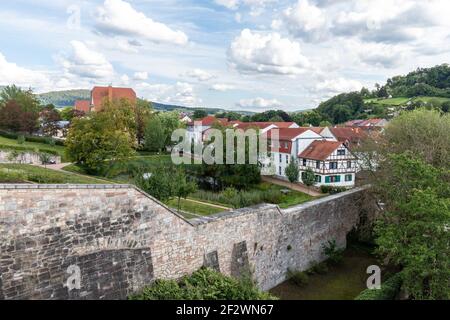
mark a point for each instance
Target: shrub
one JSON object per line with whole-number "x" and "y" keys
{"x": 12, "y": 176}
{"x": 334, "y": 255}
{"x": 389, "y": 290}
{"x": 300, "y": 278}
{"x": 204, "y": 284}
{"x": 320, "y": 268}
{"x": 21, "y": 139}
{"x": 332, "y": 189}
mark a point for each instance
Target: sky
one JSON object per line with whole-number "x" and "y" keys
{"x": 251, "y": 55}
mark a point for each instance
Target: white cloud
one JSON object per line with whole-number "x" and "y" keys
{"x": 259, "y": 103}
{"x": 125, "y": 80}
{"x": 266, "y": 53}
{"x": 222, "y": 87}
{"x": 235, "y": 4}
{"x": 87, "y": 63}
{"x": 11, "y": 73}
{"x": 304, "y": 20}
{"x": 117, "y": 17}
{"x": 180, "y": 93}
{"x": 140, "y": 76}
{"x": 335, "y": 86}
{"x": 200, "y": 75}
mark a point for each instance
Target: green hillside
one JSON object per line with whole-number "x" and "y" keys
{"x": 64, "y": 98}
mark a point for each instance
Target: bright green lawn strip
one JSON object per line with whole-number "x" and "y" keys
{"x": 193, "y": 207}
{"x": 32, "y": 146}
{"x": 23, "y": 172}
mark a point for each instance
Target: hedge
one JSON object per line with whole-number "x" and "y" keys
{"x": 388, "y": 291}
{"x": 28, "y": 149}
{"x": 37, "y": 139}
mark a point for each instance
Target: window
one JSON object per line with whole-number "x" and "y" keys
{"x": 333, "y": 165}
{"x": 285, "y": 145}
{"x": 318, "y": 179}
{"x": 348, "y": 177}
{"x": 317, "y": 164}
{"x": 349, "y": 164}
{"x": 287, "y": 159}
{"x": 341, "y": 152}
{"x": 332, "y": 179}
{"x": 304, "y": 162}
{"x": 281, "y": 159}
{"x": 279, "y": 170}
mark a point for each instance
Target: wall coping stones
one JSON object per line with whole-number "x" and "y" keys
{"x": 196, "y": 221}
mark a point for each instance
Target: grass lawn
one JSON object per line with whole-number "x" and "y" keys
{"x": 262, "y": 193}
{"x": 17, "y": 173}
{"x": 404, "y": 100}
{"x": 33, "y": 146}
{"x": 343, "y": 282}
{"x": 122, "y": 171}
{"x": 392, "y": 102}
{"x": 193, "y": 207}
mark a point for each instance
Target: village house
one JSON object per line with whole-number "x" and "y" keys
{"x": 326, "y": 151}
{"x": 100, "y": 95}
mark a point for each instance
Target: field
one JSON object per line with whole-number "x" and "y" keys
{"x": 404, "y": 100}
{"x": 187, "y": 207}
{"x": 32, "y": 146}
{"x": 19, "y": 173}
{"x": 262, "y": 193}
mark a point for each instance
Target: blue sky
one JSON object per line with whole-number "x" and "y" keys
{"x": 236, "y": 54}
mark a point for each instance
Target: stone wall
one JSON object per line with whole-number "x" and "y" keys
{"x": 121, "y": 239}
{"x": 25, "y": 157}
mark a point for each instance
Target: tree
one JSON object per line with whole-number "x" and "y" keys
{"x": 412, "y": 230}
{"x": 143, "y": 112}
{"x": 292, "y": 172}
{"x": 170, "y": 121}
{"x": 67, "y": 114}
{"x": 50, "y": 118}
{"x": 425, "y": 133}
{"x": 154, "y": 135}
{"x": 199, "y": 114}
{"x": 308, "y": 177}
{"x": 182, "y": 188}
{"x": 99, "y": 138}
{"x": 325, "y": 124}
{"x": 156, "y": 181}
{"x": 45, "y": 158}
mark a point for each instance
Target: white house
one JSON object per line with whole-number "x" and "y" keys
{"x": 330, "y": 160}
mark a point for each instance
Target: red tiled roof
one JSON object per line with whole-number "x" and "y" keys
{"x": 248, "y": 125}
{"x": 320, "y": 149}
{"x": 209, "y": 121}
{"x": 351, "y": 135}
{"x": 283, "y": 125}
{"x": 83, "y": 105}
{"x": 287, "y": 134}
{"x": 317, "y": 130}
{"x": 99, "y": 94}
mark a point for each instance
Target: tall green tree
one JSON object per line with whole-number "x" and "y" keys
{"x": 154, "y": 135}
{"x": 97, "y": 139}
{"x": 292, "y": 172}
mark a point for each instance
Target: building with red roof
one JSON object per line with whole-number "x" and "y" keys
{"x": 100, "y": 95}
{"x": 83, "y": 106}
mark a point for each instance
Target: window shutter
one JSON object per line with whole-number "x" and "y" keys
{"x": 327, "y": 179}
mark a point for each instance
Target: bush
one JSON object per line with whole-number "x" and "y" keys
{"x": 204, "y": 284}
{"x": 334, "y": 255}
{"x": 28, "y": 149}
{"x": 37, "y": 139}
{"x": 320, "y": 268}
{"x": 300, "y": 278}
{"x": 388, "y": 291}
{"x": 12, "y": 176}
{"x": 332, "y": 189}
{"x": 20, "y": 139}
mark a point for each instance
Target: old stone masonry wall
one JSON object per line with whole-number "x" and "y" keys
{"x": 105, "y": 242}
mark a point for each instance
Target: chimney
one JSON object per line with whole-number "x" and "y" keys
{"x": 110, "y": 94}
